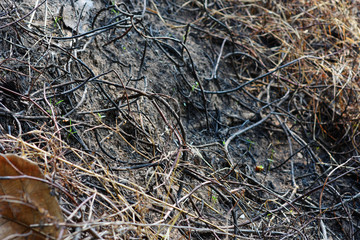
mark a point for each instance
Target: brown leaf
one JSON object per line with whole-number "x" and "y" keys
{"x": 26, "y": 200}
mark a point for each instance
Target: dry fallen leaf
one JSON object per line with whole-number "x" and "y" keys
{"x": 27, "y": 209}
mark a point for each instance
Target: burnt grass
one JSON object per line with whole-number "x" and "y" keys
{"x": 188, "y": 119}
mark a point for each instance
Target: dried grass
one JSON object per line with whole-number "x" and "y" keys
{"x": 130, "y": 162}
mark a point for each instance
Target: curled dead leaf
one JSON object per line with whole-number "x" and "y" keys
{"x": 27, "y": 209}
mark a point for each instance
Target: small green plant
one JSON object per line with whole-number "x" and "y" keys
{"x": 100, "y": 116}
{"x": 194, "y": 86}
{"x": 113, "y": 10}
{"x": 271, "y": 159}
{"x": 250, "y": 143}
{"x": 272, "y": 155}
{"x": 49, "y": 111}
{"x": 71, "y": 129}
{"x": 50, "y": 101}
{"x": 270, "y": 162}
{"x": 59, "y": 102}
{"x": 214, "y": 199}
{"x": 56, "y": 21}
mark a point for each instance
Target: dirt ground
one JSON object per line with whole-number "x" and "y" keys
{"x": 188, "y": 119}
